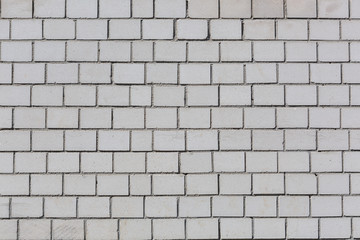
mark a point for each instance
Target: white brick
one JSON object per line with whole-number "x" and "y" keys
{"x": 297, "y": 206}
{"x": 169, "y": 140}
{"x": 333, "y": 9}
{"x": 95, "y": 118}
{"x": 268, "y": 95}
{"x": 127, "y": 207}
{"x": 333, "y": 140}
{"x": 227, "y": 206}
{"x": 259, "y": 29}
{"x": 129, "y": 162}
{"x": 259, "y": 118}
{"x": 261, "y": 73}
{"x": 52, "y": 8}
{"x": 300, "y": 139}
{"x": 14, "y": 185}
{"x": 169, "y": 229}
{"x": 5, "y": 73}
{"x": 203, "y": 52}
{"x": 170, "y": 9}
{"x": 135, "y": 228}
{"x": 49, "y": 51}
{"x": 235, "y": 228}
{"x": 160, "y": 206}
{"x": 128, "y": 73}
{"x": 91, "y": 29}
{"x": 301, "y": 95}
{"x": 202, "y": 140}
{"x": 267, "y": 8}
{"x": 26, "y": 29}
{"x": 325, "y": 73}
{"x": 350, "y": 71}
{"x": 81, "y": 9}
{"x": 113, "y": 140}
{"x": 27, "y": 229}
{"x": 303, "y": 9}
{"x": 59, "y": 29}
{"x": 194, "y": 118}
{"x": 62, "y": 118}
{"x": 300, "y": 184}
{"x": 225, "y": 29}
{"x": 16, "y": 51}
{"x": 324, "y": 118}
{"x": 114, "y": 51}
{"x": 79, "y": 185}
{"x": 260, "y": 206}
{"x": 82, "y": 51}
{"x": 335, "y": 228}
{"x": 61, "y": 229}
{"x": 302, "y": 228}
{"x": 29, "y": 73}
{"x": 195, "y": 162}
{"x": 142, "y": 8}
{"x": 8, "y": 229}
{"x": 62, "y": 73}
{"x": 162, "y": 162}
{"x": 93, "y": 207}
{"x": 194, "y": 207}
{"x": 168, "y": 95}
{"x": 201, "y": 184}
{"x": 192, "y": 29}
{"x": 76, "y": 140}
{"x": 5, "y": 29}
{"x": 18, "y": 9}
{"x": 29, "y": 118}
{"x": 202, "y": 228}
{"x": 268, "y": 140}
{"x": 268, "y": 51}
{"x": 261, "y": 162}
{"x": 235, "y": 184}
{"x": 333, "y": 184}
{"x": 202, "y": 95}
{"x": 301, "y": 51}
{"x": 96, "y": 162}
{"x": 113, "y": 95}
{"x": 30, "y": 162}
{"x": 292, "y": 117}
{"x": 326, "y": 162}
{"x": 235, "y": 51}
{"x": 14, "y": 140}
{"x": 235, "y": 8}
{"x": 196, "y": 9}
{"x": 170, "y": 51}
{"x": 324, "y": 30}
{"x": 60, "y": 207}
{"x": 105, "y": 228}
{"x": 161, "y": 118}
{"x": 158, "y": 29}
{"x": 26, "y": 207}
{"x": 269, "y": 228}
{"x": 168, "y": 184}
{"x": 112, "y": 185}
{"x": 268, "y": 184}
{"x": 293, "y": 73}
{"x": 235, "y": 95}
{"x": 161, "y": 73}
{"x": 114, "y": 8}
{"x": 46, "y": 184}
{"x": 194, "y": 73}
{"x": 227, "y": 118}
{"x": 80, "y": 95}
{"x": 7, "y": 162}
{"x": 333, "y": 51}
{"x": 63, "y": 162}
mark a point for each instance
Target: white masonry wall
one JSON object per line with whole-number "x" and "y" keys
{"x": 179, "y": 119}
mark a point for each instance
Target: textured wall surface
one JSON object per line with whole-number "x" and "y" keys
{"x": 179, "y": 119}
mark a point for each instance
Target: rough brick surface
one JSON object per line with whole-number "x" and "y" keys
{"x": 179, "y": 119}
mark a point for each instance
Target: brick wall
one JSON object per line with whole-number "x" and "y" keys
{"x": 179, "y": 119}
